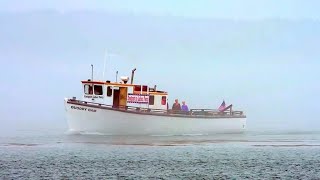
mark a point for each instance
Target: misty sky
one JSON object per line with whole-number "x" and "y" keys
{"x": 261, "y": 56}
{"x": 236, "y": 9}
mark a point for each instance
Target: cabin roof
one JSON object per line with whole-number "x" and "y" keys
{"x": 122, "y": 84}
{"x": 109, "y": 83}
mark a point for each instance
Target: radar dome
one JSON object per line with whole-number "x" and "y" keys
{"x": 125, "y": 79}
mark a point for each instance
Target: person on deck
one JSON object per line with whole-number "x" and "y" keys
{"x": 184, "y": 107}
{"x": 176, "y": 106}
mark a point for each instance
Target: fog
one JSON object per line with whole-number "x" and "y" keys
{"x": 268, "y": 68}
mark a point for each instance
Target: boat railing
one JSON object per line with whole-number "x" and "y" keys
{"x": 215, "y": 112}
{"x": 191, "y": 112}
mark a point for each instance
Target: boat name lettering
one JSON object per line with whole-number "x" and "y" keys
{"x": 95, "y": 97}
{"x": 83, "y": 109}
{"x": 138, "y": 98}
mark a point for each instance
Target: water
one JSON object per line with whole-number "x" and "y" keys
{"x": 254, "y": 155}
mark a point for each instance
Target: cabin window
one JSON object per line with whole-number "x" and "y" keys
{"x": 145, "y": 88}
{"x": 163, "y": 100}
{"x": 151, "y": 100}
{"x": 137, "y": 88}
{"x": 109, "y": 91}
{"x": 98, "y": 90}
{"x": 88, "y": 89}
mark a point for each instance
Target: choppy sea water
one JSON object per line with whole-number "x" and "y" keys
{"x": 253, "y": 155}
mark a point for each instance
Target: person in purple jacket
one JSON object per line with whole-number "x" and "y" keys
{"x": 184, "y": 107}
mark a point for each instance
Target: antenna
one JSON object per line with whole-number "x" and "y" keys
{"x": 91, "y": 72}
{"x": 104, "y": 64}
{"x": 117, "y": 76}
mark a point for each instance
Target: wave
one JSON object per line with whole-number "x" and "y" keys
{"x": 286, "y": 145}
{"x": 282, "y": 132}
{"x": 19, "y": 144}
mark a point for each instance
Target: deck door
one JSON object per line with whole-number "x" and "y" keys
{"x": 123, "y": 96}
{"x": 116, "y": 94}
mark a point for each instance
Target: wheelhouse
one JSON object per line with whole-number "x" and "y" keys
{"x": 121, "y": 94}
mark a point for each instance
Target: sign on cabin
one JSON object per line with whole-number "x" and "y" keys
{"x": 138, "y": 98}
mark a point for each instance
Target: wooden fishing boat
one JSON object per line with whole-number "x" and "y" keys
{"x": 123, "y": 108}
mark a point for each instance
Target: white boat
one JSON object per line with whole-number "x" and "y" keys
{"x": 122, "y": 108}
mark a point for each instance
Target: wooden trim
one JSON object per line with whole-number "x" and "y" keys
{"x": 151, "y": 93}
{"x": 158, "y": 93}
{"x": 119, "y": 84}
{"x": 92, "y": 82}
{"x": 111, "y": 84}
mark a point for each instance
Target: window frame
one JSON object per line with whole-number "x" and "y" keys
{"x": 151, "y": 100}
{"x": 109, "y": 91}
{"x": 88, "y": 92}
{"x": 94, "y": 88}
{"x": 163, "y": 100}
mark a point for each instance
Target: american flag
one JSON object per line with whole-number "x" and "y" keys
{"x": 222, "y": 106}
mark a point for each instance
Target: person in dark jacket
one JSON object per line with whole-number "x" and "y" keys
{"x": 176, "y": 106}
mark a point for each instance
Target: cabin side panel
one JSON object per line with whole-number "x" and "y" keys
{"x": 138, "y": 96}
{"x": 158, "y": 101}
{"x": 120, "y": 95}
{"x": 108, "y": 95}
{"x": 97, "y": 93}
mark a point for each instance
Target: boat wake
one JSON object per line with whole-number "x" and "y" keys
{"x": 171, "y": 135}
{"x": 72, "y": 132}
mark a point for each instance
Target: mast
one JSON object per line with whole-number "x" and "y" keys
{"x": 91, "y": 72}
{"x": 117, "y": 76}
{"x": 104, "y": 64}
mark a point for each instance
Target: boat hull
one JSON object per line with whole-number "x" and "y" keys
{"x": 82, "y": 118}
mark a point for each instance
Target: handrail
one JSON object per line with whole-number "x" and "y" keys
{"x": 192, "y": 112}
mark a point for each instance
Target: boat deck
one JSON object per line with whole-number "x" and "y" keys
{"x": 192, "y": 113}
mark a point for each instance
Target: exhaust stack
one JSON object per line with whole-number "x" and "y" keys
{"x": 132, "y": 75}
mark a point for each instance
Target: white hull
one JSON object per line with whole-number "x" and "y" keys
{"x": 121, "y": 123}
